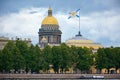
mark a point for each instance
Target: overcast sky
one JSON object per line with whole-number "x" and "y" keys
{"x": 99, "y": 19}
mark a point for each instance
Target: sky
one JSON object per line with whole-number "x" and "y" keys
{"x": 99, "y": 19}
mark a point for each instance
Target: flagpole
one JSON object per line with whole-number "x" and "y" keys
{"x": 79, "y": 25}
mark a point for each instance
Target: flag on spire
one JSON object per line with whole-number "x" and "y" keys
{"x": 74, "y": 14}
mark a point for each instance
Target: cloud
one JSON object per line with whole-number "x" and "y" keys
{"x": 22, "y": 24}
{"x": 102, "y": 27}
{"x": 105, "y": 25}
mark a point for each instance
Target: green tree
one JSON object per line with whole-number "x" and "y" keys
{"x": 11, "y": 57}
{"x": 1, "y": 61}
{"x": 34, "y": 58}
{"x": 65, "y": 61}
{"x": 110, "y": 58}
{"x": 23, "y": 48}
{"x": 19, "y": 62}
{"x": 117, "y": 57}
{"x": 101, "y": 59}
{"x": 7, "y": 63}
{"x": 47, "y": 58}
{"x": 74, "y": 57}
{"x": 85, "y": 59}
{"x": 61, "y": 58}
{"x": 38, "y": 56}
{"x": 56, "y": 58}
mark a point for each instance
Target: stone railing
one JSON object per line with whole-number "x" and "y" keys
{"x": 58, "y": 76}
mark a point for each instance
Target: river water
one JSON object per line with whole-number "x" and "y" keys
{"x": 59, "y": 79}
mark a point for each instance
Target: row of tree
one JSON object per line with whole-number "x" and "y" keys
{"x": 108, "y": 58}
{"x": 17, "y": 55}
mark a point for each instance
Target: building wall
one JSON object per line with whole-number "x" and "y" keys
{"x": 4, "y": 41}
{"x": 49, "y": 36}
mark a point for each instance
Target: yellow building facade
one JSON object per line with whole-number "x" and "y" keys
{"x": 5, "y": 40}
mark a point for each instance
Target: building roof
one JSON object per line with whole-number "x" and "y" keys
{"x": 3, "y": 38}
{"x": 80, "y": 41}
{"x": 49, "y": 20}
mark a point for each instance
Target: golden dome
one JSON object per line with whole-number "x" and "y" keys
{"x": 50, "y": 20}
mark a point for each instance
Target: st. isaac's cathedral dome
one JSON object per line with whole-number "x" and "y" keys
{"x": 50, "y": 20}
{"x": 80, "y": 41}
{"x": 49, "y": 33}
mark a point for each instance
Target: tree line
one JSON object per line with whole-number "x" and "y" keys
{"x": 19, "y": 56}
{"x": 108, "y": 58}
